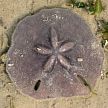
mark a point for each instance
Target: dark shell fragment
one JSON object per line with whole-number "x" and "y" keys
{"x": 49, "y": 50}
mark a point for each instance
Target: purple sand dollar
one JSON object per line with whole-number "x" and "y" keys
{"x": 52, "y": 53}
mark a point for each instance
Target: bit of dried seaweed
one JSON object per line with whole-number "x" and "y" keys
{"x": 98, "y": 7}
{"x": 91, "y": 6}
{"x": 102, "y": 28}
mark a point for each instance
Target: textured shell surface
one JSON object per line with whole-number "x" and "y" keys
{"x": 49, "y": 49}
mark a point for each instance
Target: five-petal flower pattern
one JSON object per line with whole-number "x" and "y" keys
{"x": 55, "y": 52}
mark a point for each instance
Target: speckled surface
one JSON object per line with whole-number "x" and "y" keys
{"x": 25, "y": 66}
{"x": 10, "y": 12}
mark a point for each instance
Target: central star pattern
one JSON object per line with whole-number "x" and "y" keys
{"x": 55, "y": 53}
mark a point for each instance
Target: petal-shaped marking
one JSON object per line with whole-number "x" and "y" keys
{"x": 66, "y": 46}
{"x": 49, "y": 65}
{"x": 64, "y": 62}
{"x": 54, "y": 38}
{"x": 42, "y": 50}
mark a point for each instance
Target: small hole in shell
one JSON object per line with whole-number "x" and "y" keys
{"x": 37, "y": 85}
